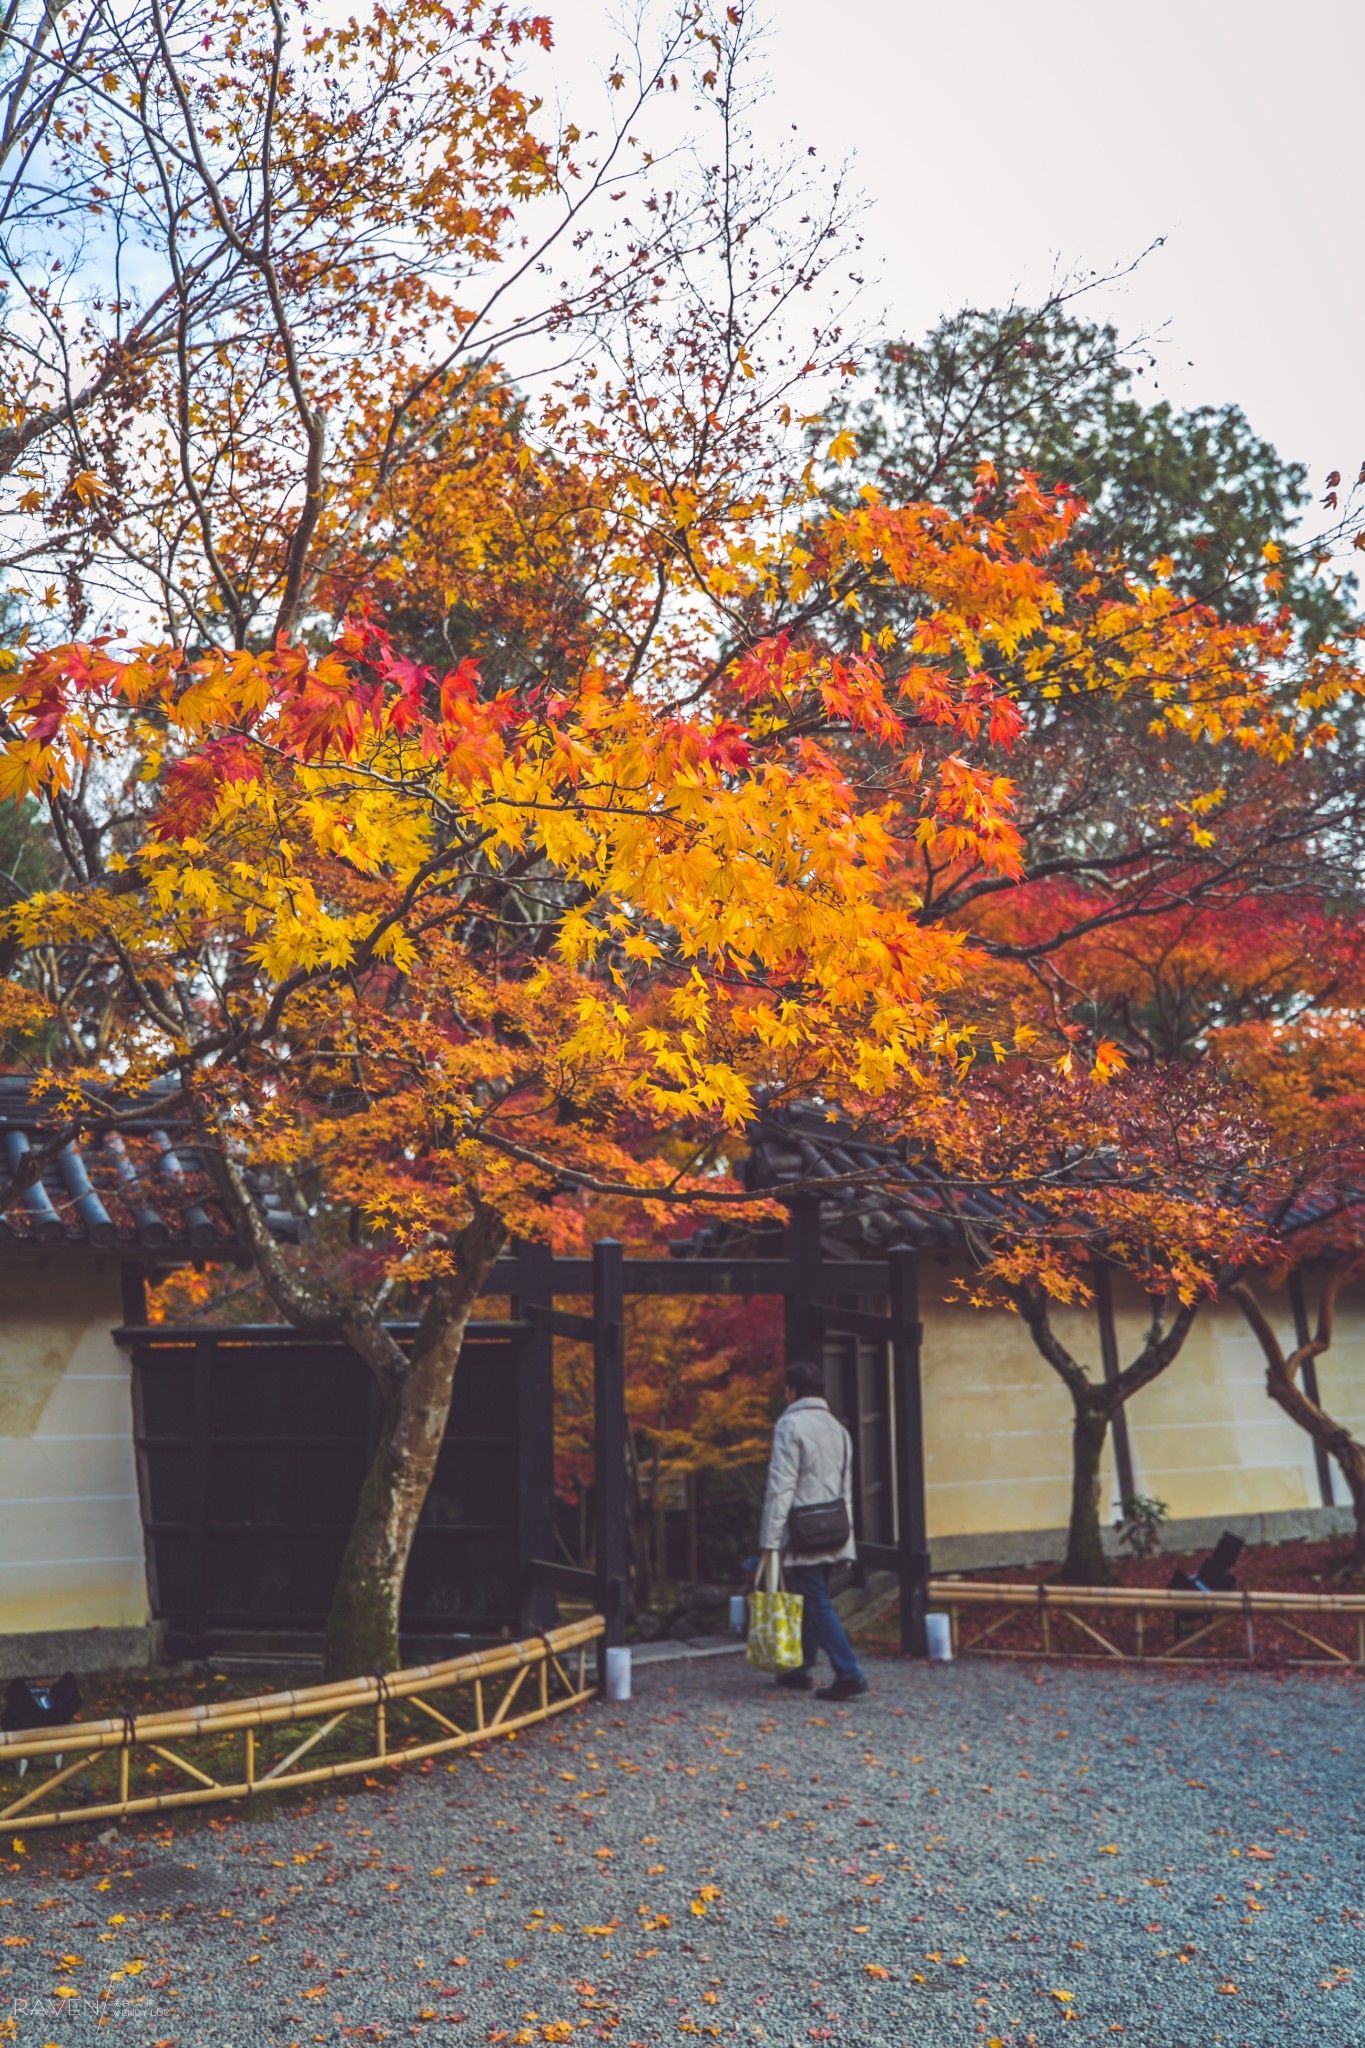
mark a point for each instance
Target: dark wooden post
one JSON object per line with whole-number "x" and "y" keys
{"x": 802, "y": 1332}
{"x": 609, "y": 1433}
{"x": 853, "y": 1420}
{"x": 133, "y": 1284}
{"x": 1309, "y": 1375}
{"x": 201, "y": 1427}
{"x": 912, "y": 1537}
{"x": 1109, "y": 1358}
{"x": 535, "y": 1358}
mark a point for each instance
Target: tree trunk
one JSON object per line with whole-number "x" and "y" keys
{"x": 1093, "y": 1404}
{"x": 1284, "y": 1386}
{"x": 1351, "y": 1458}
{"x": 1085, "y": 1563}
{"x": 362, "y": 1628}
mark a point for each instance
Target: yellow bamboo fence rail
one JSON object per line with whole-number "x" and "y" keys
{"x": 244, "y": 1747}
{"x": 1058, "y": 1621}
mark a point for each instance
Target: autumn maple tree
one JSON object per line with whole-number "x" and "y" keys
{"x": 443, "y": 942}
{"x": 1306, "y": 1074}
{"x": 702, "y": 1388}
{"x": 425, "y": 942}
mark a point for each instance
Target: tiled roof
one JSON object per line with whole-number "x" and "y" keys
{"x": 889, "y": 1199}
{"x": 145, "y": 1189}
{"x": 863, "y": 1220}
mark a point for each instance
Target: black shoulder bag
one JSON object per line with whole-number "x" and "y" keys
{"x": 821, "y": 1524}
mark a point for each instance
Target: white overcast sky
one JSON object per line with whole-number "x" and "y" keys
{"x": 1001, "y": 142}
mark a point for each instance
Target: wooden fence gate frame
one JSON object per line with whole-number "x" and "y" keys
{"x": 821, "y": 1297}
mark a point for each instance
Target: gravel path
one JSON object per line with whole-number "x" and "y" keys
{"x": 1009, "y": 1853}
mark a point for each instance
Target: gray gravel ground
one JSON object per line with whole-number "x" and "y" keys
{"x": 1010, "y": 1853}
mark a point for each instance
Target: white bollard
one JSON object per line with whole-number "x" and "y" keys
{"x": 618, "y": 1674}
{"x": 939, "y": 1631}
{"x": 739, "y": 1614}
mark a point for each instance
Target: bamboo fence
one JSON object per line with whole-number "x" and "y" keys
{"x": 1151, "y": 1624}
{"x": 244, "y": 1747}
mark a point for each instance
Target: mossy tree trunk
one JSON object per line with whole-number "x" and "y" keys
{"x": 362, "y": 1628}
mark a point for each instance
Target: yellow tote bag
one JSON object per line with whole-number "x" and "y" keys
{"x": 774, "y": 1623}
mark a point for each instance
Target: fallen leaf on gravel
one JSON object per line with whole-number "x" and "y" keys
{"x": 1229, "y": 1990}
{"x": 1063, "y": 1997}
{"x": 876, "y": 1970}
{"x": 1112, "y": 1850}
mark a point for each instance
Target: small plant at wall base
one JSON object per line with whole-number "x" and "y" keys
{"x": 1139, "y": 1525}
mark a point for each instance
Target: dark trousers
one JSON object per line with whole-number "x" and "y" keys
{"x": 821, "y": 1628}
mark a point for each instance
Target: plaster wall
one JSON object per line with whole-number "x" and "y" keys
{"x": 71, "y": 1548}
{"x": 1205, "y": 1436}
{"x": 1341, "y": 1373}
{"x": 997, "y": 1419}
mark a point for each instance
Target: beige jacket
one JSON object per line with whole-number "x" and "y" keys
{"x": 812, "y": 1460}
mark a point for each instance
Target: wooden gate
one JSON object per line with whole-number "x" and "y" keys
{"x": 252, "y": 1447}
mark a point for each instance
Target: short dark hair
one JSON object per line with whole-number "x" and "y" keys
{"x": 805, "y": 1378}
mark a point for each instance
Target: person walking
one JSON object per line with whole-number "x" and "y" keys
{"x": 808, "y": 1518}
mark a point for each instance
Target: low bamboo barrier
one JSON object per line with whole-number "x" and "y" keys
{"x": 110, "y": 1763}
{"x": 1163, "y": 1627}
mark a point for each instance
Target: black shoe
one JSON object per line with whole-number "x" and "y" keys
{"x": 843, "y": 1689}
{"x": 794, "y": 1681}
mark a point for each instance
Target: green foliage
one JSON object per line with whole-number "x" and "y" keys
{"x": 1140, "y": 1524}
{"x": 1040, "y": 390}
{"x": 27, "y": 860}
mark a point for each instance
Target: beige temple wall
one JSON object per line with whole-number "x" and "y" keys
{"x": 997, "y": 1420}
{"x": 1205, "y": 1436}
{"x": 1341, "y": 1374}
{"x": 71, "y": 1549}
